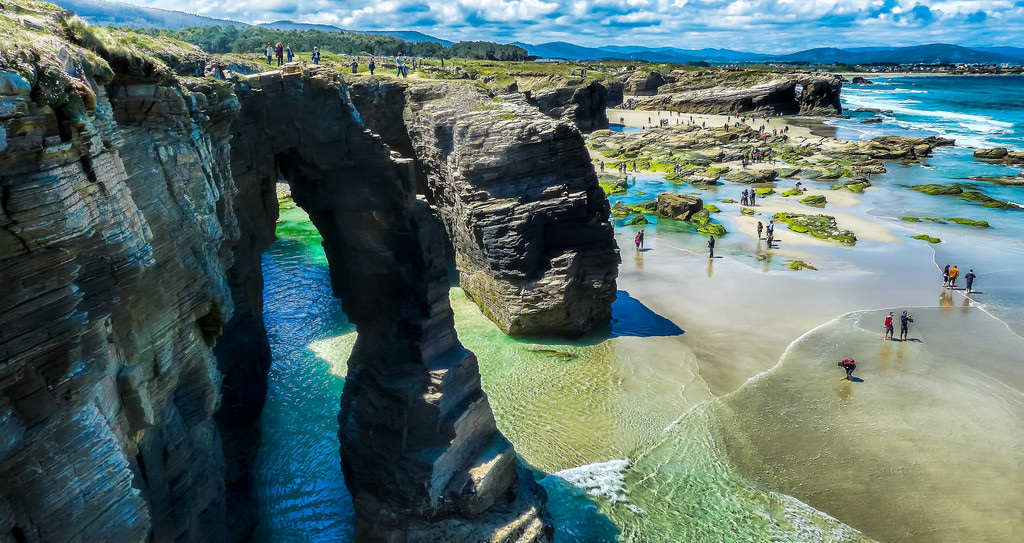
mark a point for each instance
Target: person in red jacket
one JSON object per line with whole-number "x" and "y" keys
{"x": 849, "y": 365}
{"x": 888, "y": 327}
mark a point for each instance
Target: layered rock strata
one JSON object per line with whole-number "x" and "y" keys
{"x": 135, "y": 205}
{"x": 585, "y": 106}
{"x": 520, "y": 201}
{"x": 420, "y": 451}
{"x": 786, "y": 94}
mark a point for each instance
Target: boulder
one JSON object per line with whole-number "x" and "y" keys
{"x": 1000, "y": 154}
{"x": 749, "y": 177}
{"x": 679, "y": 206}
{"x": 858, "y": 80}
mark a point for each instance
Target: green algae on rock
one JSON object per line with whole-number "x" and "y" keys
{"x": 765, "y": 191}
{"x": 639, "y": 219}
{"x": 814, "y": 200}
{"x": 800, "y": 265}
{"x": 746, "y": 211}
{"x": 819, "y": 226}
{"x": 926, "y": 237}
{"x": 852, "y": 185}
{"x": 938, "y": 189}
{"x": 792, "y": 192}
{"x": 712, "y": 208}
{"x": 969, "y": 222}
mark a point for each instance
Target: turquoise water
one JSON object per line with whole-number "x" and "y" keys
{"x": 714, "y": 410}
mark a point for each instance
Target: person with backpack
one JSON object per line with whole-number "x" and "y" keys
{"x": 888, "y": 327}
{"x": 849, "y": 365}
{"x": 372, "y": 65}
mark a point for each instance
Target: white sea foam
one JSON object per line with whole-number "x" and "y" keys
{"x": 602, "y": 480}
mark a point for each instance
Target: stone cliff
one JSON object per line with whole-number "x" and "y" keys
{"x": 135, "y": 205}
{"x": 735, "y": 92}
{"x": 519, "y": 198}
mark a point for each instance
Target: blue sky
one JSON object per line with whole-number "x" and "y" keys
{"x": 752, "y": 25}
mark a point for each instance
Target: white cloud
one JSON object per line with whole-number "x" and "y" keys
{"x": 761, "y": 25}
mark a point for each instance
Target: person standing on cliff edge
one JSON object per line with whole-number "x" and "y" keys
{"x": 372, "y": 65}
{"x": 270, "y": 54}
{"x": 289, "y": 53}
{"x": 279, "y": 49}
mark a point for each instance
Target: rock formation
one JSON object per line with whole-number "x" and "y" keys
{"x": 895, "y": 147}
{"x": 642, "y": 83}
{"x": 1000, "y": 154}
{"x": 133, "y": 359}
{"x": 585, "y": 106}
{"x": 749, "y": 92}
{"x": 678, "y": 206}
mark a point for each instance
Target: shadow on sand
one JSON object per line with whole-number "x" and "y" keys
{"x": 631, "y": 318}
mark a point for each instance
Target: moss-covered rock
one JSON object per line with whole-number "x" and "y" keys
{"x": 712, "y": 228}
{"x": 639, "y": 219}
{"x": 712, "y": 208}
{"x": 922, "y": 219}
{"x": 969, "y": 222}
{"x": 792, "y": 192}
{"x": 927, "y": 238}
{"x": 679, "y": 206}
{"x": 938, "y": 189}
{"x": 800, "y": 265}
{"x": 814, "y": 200}
{"x": 746, "y": 211}
{"x": 852, "y": 185}
{"x": 765, "y": 192}
{"x": 819, "y": 226}
{"x": 789, "y": 173}
{"x": 728, "y": 201}
{"x": 616, "y": 188}
{"x": 620, "y": 210}
{"x": 749, "y": 177}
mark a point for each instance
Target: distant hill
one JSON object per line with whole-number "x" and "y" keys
{"x": 405, "y": 35}
{"x": 935, "y": 53}
{"x": 561, "y": 49}
{"x": 1012, "y": 52}
{"x": 101, "y": 13}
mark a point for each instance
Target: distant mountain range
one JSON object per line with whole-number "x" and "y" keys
{"x": 101, "y": 12}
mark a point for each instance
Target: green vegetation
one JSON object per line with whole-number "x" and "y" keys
{"x": 922, "y": 219}
{"x": 927, "y": 238}
{"x": 746, "y": 211}
{"x": 639, "y": 219}
{"x": 819, "y": 226}
{"x": 712, "y": 208}
{"x": 705, "y": 225}
{"x": 938, "y": 189}
{"x": 792, "y": 192}
{"x": 814, "y": 200}
{"x": 765, "y": 192}
{"x": 728, "y": 201}
{"x": 852, "y": 185}
{"x": 800, "y": 265}
{"x": 969, "y": 222}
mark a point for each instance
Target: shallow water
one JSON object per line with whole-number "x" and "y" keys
{"x": 707, "y": 412}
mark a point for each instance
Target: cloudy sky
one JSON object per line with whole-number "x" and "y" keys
{"x": 752, "y": 25}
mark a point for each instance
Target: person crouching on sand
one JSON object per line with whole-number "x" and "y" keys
{"x": 849, "y": 365}
{"x": 888, "y": 327}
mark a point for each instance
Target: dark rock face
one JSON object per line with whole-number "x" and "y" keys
{"x": 645, "y": 83}
{"x": 134, "y": 211}
{"x": 117, "y": 231}
{"x": 418, "y": 439}
{"x": 895, "y": 147}
{"x": 523, "y": 208}
{"x": 1000, "y": 154}
{"x": 858, "y": 80}
{"x": 788, "y": 95}
{"x": 585, "y": 106}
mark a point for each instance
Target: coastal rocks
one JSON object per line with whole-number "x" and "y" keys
{"x": 749, "y": 177}
{"x": 645, "y": 83}
{"x": 583, "y": 105}
{"x": 896, "y": 147}
{"x": 814, "y": 200}
{"x": 522, "y": 205}
{"x": 852, "y": 185}
{"x": 819, "y": 226}
{"x": 788, "y": 94}
{"x": 678, "y": 206}
{"x": 938, "y": 189}
{"x": 1000, "y": 154}
{"x": 858, "y": 80}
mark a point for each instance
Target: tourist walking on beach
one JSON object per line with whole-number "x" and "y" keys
{"x": 270, "y": 54}
{"x": 849, "y": 365}
{"x": 711, "y": 246}
{"x": 888, "y": 327}
{"x": 279, "y": 50}
{"x": 289, "y": 53}
{"x": 945, "y": 276}
{"x": 905, "y": 321}
{"x": 373, "y": 65}
{"x": 642, "y": 239}
{"x": 969, "y": 278}
{"x": 744, "y": 198}
{"x": 954, "y": 272}
{"x": 752, "y": 198}
{"x": 760, "y": 228}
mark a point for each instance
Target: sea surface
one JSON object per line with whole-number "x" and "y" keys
{"x": 713, "y": 409}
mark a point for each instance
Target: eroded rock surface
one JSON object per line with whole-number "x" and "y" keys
{"x": 133, "y": 360}
{"x": 768, "y": 93}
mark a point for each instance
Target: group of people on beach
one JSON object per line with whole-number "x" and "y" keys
{"x": 950, "y": 275}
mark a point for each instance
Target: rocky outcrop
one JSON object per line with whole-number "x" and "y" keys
{"x": 895, "y": 147}
{"x": 133, "y": 360}
{"x": 583, "y": 105}
{"x": 645, "y": 83}
{"x": 421, "y": 454}
{"x": 520, "y": 201}
{"x": 523, "y": 207}
{"x": 787, "y": 94}
{"x": 1000, "y": 154}
{"x": 678, "y": 206}
{"x": 858, "y": 80}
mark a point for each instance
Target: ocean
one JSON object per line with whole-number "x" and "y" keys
{"x": 714, "y": 410}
